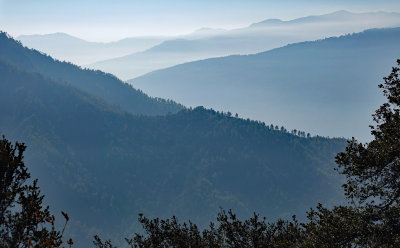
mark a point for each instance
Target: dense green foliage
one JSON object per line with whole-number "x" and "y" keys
{"x": 97, "y": 83}
{"x": 228, "y": 232}
{"x": 24, "y": 221}
{"x": 114, "y": 164}
{"x": 373, "y": 170}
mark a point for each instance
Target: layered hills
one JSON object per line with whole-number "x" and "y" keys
{"x": 103, "y": 163}
{"x": 257, "y": 37}
{"x": 326, "y": 86}
{"x": 97, "y": 83}
{"x": 66, "y": 47}
{"x": 135, "y": 56}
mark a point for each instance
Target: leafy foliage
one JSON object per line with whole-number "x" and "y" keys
{"x": 228, "y": 232}
{"x": 24, "y": 221}
{"x": 373, "y": 170}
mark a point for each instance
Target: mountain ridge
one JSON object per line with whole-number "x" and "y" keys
{"x": 248, "y": 40}
{"x": 98, "y": 83}
{"x": 342, "y": 14}
{"x": 83, "y": 52}
{"x": 284, "y": 80}
{"x": 114, "y": 164}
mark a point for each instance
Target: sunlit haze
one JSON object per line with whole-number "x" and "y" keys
{"x": 199, "y": 123}
{"x": 101, "y": 20}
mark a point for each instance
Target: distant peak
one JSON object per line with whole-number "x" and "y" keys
{"x": 345, "y": 12}
{"x": 342, "y": 12}
{"x": 267, "y": 22}
{"x": 336, "y": 15}
{"x": 58, "y": 35}
{"x": 272, "y": 21}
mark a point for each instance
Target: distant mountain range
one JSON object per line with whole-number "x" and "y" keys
{"x": 327, "y": 86}
{"x": 136, "y": 56}
{"x": 256, "y": 38}
{"x": 100, "y": 157}
{"x": 379, "y": 18}
{"x": 72, "y": 49}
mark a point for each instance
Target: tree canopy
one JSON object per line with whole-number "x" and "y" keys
{"x": 24, "y": 221}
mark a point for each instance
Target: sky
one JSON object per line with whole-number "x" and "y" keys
{"x": 108, "y": 20}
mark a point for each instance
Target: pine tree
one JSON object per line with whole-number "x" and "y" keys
{"x": 24, "y": 221}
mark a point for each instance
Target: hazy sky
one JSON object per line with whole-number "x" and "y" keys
{"x": 105, "y": 20}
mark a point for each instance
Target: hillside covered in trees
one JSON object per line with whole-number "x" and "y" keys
{"x": 371, "y": 218}
{"x": 96, "y": 83}
{"x": 327, "y": 87}
{"x": 104, "y": 165}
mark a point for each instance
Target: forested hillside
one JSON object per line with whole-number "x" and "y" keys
{"x": 327, "y": 87}
{"x": 200, "y": 124}
{"x": 94, "y": 82}
{"x": 104, "y": 165}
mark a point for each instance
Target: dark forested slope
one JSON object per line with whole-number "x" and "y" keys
{"x": 103, "y": 165}
{"x": 97, "y": 83}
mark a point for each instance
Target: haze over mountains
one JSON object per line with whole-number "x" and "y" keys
{"x": 137, "y": 56}
{"x": 72, "y": 49}
{"x": 255, "y": 38}
{"x": 97, "y": 83}
{"x": 183, "y": 108}
{"x": 326, "y": 87}
{"x": 102, "y": 157}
